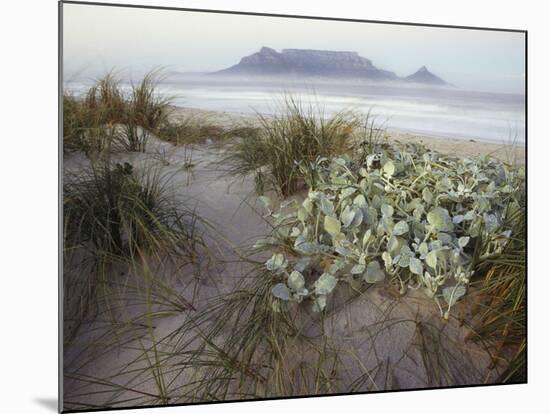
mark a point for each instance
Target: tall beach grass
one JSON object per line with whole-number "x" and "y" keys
{"x": 106, "y": 116}
{"x": 298, "y": 133}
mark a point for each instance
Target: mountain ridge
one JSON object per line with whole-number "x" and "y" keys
{"x": 324, "y": 63}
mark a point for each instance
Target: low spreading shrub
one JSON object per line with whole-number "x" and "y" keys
{"x": 407, "y": 214}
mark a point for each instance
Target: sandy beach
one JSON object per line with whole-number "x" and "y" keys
{"x": 513, "y": 153}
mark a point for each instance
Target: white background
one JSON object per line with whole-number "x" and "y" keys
{"x": 28, "y": 203}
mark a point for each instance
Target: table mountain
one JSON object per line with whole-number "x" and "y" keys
{"x": 325, "y": 63}
{"x": 320, "y": 63}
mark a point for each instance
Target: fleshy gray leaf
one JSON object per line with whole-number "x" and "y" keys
{"x": 415, "y": 266}
{"x": 332, "y": 225}
{"x": 281, "y": 291}
{"x": 453, "y": 294}
{"x": 374, "y": 273}
{"x": 325, "y": 284}
{"x": 296, "y": 281}
{"x": 440, "y": 219}
{"x": 400, "y": 228}
{"x": 387, "y": 210}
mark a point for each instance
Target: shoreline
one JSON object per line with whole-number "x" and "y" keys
{"x": 512, "y": 153}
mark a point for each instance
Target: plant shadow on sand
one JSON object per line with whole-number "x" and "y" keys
{"x": 283, "y": 256}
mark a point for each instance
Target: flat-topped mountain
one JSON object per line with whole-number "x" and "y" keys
{"x": 320, "y": 63}
{"x": 325, "y": 63}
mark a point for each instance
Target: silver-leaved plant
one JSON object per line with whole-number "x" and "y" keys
{"x": 414, "y": 217}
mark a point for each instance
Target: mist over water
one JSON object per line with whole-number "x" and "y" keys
{"x": 443, "y": 111}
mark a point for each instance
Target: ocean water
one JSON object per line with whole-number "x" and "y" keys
{"x": 449, "y": 112}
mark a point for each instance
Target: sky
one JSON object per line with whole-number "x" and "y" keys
{"x": 100, "y": 38}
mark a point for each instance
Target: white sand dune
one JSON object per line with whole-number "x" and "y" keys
{"x": 385, "y": 341}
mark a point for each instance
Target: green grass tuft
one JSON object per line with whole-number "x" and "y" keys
{"x": 502, "y": 306}
{"x": 299, "y": 133}
{"x": 105, "y": 117}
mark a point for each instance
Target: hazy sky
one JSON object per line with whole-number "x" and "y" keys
{"x": 99, "y": 38}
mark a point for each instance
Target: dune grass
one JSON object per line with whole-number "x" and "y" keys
{"x": 145, "y": 113}
{"x": 239, "y": 347}
{"x": 237, "y": 351}
{"x": 370, "y": 135}
{"x": 115, "y": 210}
{"x": 197, "y": 129}
{"x": 190, "y": 129}
{"x": 116, "y": 219}
{"x": 501, "y": 305}
{"x": 298, "y": 133}
{"x": 89, "y": 121}
{"x": 106, "y": 100}
{"x": 83, "y": 130}
{"x": 107, "y": 117}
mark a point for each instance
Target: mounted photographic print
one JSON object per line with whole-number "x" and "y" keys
{"x": 264, "y": 206}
